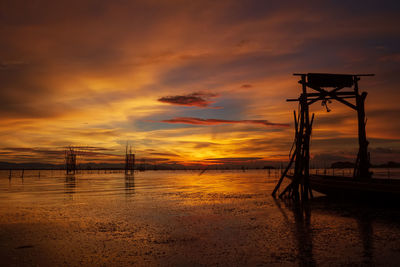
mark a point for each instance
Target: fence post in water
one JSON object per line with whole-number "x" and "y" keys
{"x": 9, "y": 176}
{"x": 22, "y": 175}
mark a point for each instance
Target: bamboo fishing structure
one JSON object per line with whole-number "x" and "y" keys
{"x": 320, "y": 83}
{"x": 70, "y": 160}
{"x": 129, "y": 161}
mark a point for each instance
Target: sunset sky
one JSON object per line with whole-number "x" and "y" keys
{"x": 191, "y": 81}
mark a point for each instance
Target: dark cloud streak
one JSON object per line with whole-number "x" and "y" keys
{"x": 199, "y": 121}
{"x": 197, "y": 99}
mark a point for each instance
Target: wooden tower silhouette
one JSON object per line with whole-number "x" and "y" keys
{"x": 299, "y": 187}
{"x": 70, "y": 160}
{"x": 129, "y": 161}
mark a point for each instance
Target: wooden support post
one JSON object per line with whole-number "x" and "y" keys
{"x": 306, "y": 144}
{"x": 362, "y": 164}
{"x": 300, "y": 186}
{"x": 288, "y": 189}
{"x": 283, "y": 174}
{"x": 298, "y": 168}
{"x": 306, "y": 178}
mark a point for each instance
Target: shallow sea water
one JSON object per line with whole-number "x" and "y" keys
{"x": 184, "y": 218}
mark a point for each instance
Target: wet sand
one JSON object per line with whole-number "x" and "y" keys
{"x": 184, "y": 219}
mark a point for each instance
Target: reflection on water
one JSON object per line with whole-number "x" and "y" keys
{"x": 183, "y": 218}
{"x": 70, "y": 185}
{"x": 366, "y": 236}
{"x": 302, "y": 231}
{"x": 129, "y": 183}
{"x": 368, "y": 227}
{"x": 302, "y": 226}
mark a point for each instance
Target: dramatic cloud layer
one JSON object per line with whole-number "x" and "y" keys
{"x": 101, "y": 73}
{"x": 198, "y": 99}
{"x": 199, "y": 121}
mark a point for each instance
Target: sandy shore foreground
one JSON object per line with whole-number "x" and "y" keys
{"x": 183, "y": 219}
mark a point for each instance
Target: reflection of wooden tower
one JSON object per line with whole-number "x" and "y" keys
{"x": 70, "y": 160}
{"x": 129, "y": 161}
{"x": 303, "y": 124}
